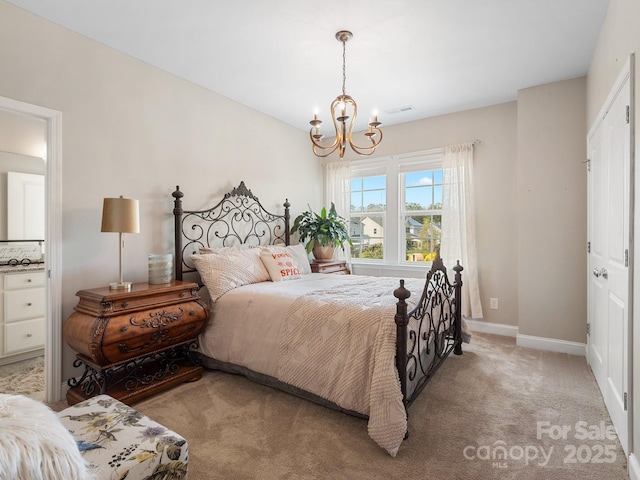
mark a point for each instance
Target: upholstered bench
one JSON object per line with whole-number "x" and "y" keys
{"x": 118, "y": 441}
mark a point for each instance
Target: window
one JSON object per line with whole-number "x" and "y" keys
{"x": 421, "y": 214}
{"x": 396, "y": 208}
{"x": 368, "y": 208}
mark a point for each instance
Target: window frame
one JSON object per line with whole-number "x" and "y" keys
{"x": 394, "y": 167}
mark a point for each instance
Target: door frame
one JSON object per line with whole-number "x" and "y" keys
{"x": 626, "y": 73}
{"x": 53, "y": 241}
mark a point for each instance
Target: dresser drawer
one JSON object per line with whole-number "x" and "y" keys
{"x": 24, "y": 280}
{"x": 23, "y": 304}
{"x": 107, "y": 340}
{"x": 113, "y": 303}
{"x": 128, "y": 336}
{"x": 24, "y": 335}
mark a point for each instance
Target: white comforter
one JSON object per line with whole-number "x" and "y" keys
{"x": 331, "y": 335}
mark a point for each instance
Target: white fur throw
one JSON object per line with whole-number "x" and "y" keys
{"x": 34, "y": 445}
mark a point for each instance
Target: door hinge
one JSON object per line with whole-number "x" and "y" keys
{"x": 588, "y": 162}
{"x": 588, "y": 329}
{"x": 625, "y": 401}
{"x": 588, "y": 247}
{"x": 626, "y": 257}
{"x": 627, "y": 114}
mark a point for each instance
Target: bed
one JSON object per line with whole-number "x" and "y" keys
{"x": 366, "y": 346}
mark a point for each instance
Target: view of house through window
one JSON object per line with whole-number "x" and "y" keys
{"x": 396, "y": 208}
{"x": 368, "y": 207}
{"x": 422, "y": 214}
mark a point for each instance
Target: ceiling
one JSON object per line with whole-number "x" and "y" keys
{"x": 280, "y": 57}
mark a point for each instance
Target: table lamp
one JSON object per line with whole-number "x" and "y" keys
{"x": 120, "y": 215}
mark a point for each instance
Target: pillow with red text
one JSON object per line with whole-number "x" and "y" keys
{"x": 298, "y": 253}
{"x": 281, "y": 266}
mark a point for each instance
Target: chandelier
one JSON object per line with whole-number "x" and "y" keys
{"x": 344, "y": 108}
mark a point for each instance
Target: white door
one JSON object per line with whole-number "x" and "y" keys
{"x": 609, "y": 192}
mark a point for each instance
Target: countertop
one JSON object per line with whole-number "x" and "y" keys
{"x": 21, "y": 268}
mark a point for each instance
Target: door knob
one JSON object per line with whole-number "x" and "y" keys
{"x": 601, "y": 273}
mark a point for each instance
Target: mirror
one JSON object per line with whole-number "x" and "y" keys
{"x": 21, "y": 197}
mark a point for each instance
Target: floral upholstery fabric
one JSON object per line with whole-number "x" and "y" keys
{"x": 121, "y": 443}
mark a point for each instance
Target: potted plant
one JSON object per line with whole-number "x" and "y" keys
{"x": 322, "y": 232}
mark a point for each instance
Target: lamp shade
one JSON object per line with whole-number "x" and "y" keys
{"x": 120, "y": 215}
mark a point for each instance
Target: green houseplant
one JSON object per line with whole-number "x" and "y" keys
{"x": 322, "y": 232}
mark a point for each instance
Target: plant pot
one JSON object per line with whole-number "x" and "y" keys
{"x": 322, "y": 253}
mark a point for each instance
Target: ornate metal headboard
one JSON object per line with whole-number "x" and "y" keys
{"x": 239, "y": 218}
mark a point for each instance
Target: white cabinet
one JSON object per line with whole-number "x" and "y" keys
{"x": 22, "y": 326}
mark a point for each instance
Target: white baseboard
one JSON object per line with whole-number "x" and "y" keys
{"x": 552, "y": 345}
{"x": 528, "y": 341}
{"x": 493, "y": 328}
{"x": 634, "y": 467}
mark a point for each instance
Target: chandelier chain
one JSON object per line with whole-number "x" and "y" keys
{"x": 344, "y": 66}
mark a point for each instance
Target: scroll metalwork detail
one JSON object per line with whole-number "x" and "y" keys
{"x": 132, "y": 374}
{"x": 238, "y": 219}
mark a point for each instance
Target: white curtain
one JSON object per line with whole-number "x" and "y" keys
{"x": 338, "y": 191}
{"x": 458, "y": 238}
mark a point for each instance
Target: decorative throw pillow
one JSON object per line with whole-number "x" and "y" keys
{"x": 35, "y": 444}
{"x": 223, "y": 272}
{"x": 281, "y": 266}
{"x": 298, "y": 253}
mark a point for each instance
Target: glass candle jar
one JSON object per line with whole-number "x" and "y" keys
{"x": 160, "y": 268}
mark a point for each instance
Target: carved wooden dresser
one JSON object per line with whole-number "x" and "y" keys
{"x": 134, "y": 343}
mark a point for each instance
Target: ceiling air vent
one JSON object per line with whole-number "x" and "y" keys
{"x": 392, "y": 111}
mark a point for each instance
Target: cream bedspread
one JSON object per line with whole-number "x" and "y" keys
{"x": 330, "y": 335}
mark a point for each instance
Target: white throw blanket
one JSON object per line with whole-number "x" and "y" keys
{"x": 340, "y": 345}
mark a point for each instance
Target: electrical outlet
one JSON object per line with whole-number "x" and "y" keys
{"x": 493, "y": 303}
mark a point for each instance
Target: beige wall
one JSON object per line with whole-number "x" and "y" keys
{"x": 495, "y": 188}
{"x": 23, "y": 134}
{"x": 552, "y": 211}
{"x": 619, "y": 37}
{"x": 530, "y": 203}
{"x": 130, "y": 129}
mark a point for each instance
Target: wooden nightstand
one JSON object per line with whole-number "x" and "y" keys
{"x": 136, "y": 343}
{"x": 338, "y": 267}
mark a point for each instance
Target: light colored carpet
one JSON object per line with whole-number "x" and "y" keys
{"x": 492, "y": 396}
{"x": 25, "y": 377}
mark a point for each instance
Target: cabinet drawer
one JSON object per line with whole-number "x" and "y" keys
{"x": 127, "y": 336}
{"x": 97, "y": 303}
{"x": 24, "y": 280}
{"x": 111, "y": 339}
{"x": 23, "y": 304}
{"x": 25, "y": 335}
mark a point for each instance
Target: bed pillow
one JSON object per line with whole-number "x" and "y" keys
{"x": 298, "y": 253}
{"x": 280, "y": 265}
{"x": 225, "y": 271}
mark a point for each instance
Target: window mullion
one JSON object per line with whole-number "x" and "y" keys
{"x": 392, "y": 238}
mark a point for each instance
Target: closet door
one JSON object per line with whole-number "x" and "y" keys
{"x": 609, "y": 210}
